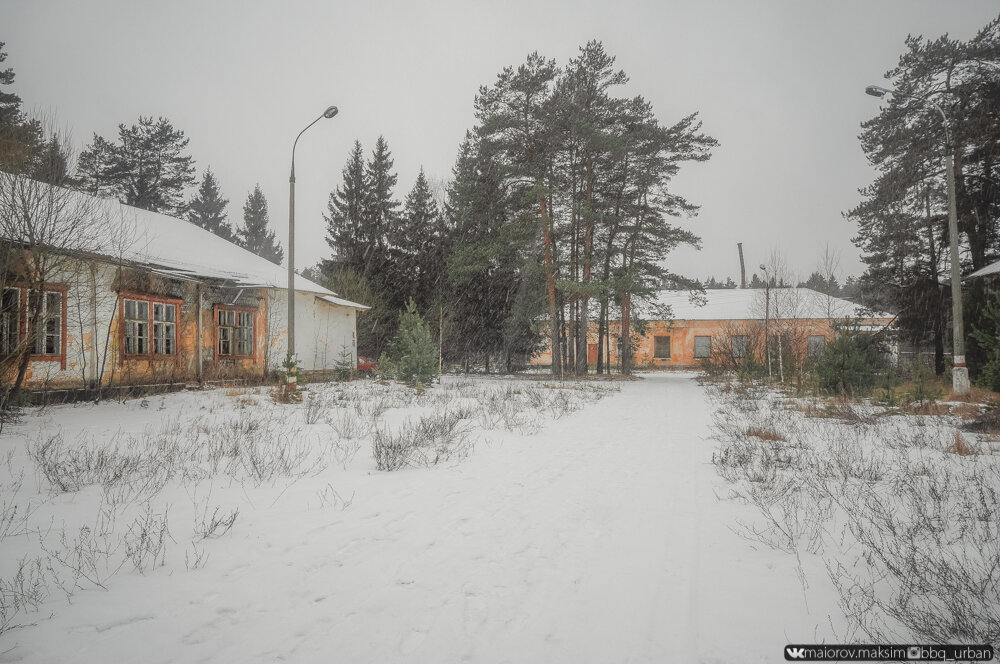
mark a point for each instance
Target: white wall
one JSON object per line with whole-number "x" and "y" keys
{"x": 324, "y": 332}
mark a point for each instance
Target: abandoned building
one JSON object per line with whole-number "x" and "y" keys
{"x": 682, "y": 330}
{"x": 132, "y": 297}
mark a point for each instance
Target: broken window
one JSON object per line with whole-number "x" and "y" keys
{"x": 702, "y": 347}
{"x": 10, "y": 320}
{"x": 661, "y": 347}
{"x": 164, "y": 328}
{"x": 48, "y": 335}
{"x": 235, "y": 332}
{"x": 150, "y": 327}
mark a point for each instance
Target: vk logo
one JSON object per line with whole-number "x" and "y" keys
{"x": 795, "y": 653}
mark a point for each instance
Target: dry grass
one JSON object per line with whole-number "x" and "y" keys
{"x": 766, "y": 433}
{"x": 959, "y": 447}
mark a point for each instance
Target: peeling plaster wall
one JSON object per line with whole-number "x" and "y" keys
{"x": 93, "y": 331}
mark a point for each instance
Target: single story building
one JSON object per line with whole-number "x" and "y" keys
{"x": 132, "y": 297}
{"x": 683, "y": 328}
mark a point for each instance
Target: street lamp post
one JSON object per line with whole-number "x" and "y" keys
{"x": 328, "y": 113}
{"x": 959, "y": 373}
{"x": 767, "y": 314}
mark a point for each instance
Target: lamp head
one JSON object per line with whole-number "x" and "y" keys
{"x": 762, "y": 267}
{"x": 330, "y": 112}
{"x": 876, "y": 91}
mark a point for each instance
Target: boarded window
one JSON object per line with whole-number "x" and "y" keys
{"x": 739, "y": 345}
{"x": 235, "y": 332}
{"x": 10, "y": 320}
{"x": 48, "y": 336}
{"x": 702, "y": 347}
{"x": 661, "y": 347}
{"x": 817, "y": 342}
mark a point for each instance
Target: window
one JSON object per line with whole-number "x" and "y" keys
{"x": 739, "y": 345}
{"x": 235, "y": 332}
{"x": 702, "y": 347}
{"x": 136, "y": 327}
{"x": 150, "y": 327}
{"x": 817, "y": 342}
{"x": 164, "y": 328}
{"x": 10, "y": 320}
{"x": 48, "y": 337}
{"x": 661, "y": 347}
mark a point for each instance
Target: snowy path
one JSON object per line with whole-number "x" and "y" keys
{"x": 598, "y": 540}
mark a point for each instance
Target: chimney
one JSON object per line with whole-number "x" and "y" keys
{"x": 743, "y": 270}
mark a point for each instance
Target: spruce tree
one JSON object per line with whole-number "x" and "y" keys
{"x": 345, "y": 217}
{"x": 418, "y": 267}
{"x": 381, "y": 210}
{"x": 208, "y": 208}
{"x": 256, "y": 235}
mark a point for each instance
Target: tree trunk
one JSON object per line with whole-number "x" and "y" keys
{"x": 550, "y": 285}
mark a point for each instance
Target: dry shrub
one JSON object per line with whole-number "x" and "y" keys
{"x": 766, "y": 433}
{"x": 959, "y": 447}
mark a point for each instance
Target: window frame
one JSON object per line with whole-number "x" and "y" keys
{"x": 150, "y": 301}
{"x": 745, "y": 345}
{"x": 23, "y": 293}
{"x": 809, "y": 346}
{"x": 709, "y": 353}
{"x": 235, "y": 327}
{"x": 657, "y": 339}
{"x": 16, "y": 322}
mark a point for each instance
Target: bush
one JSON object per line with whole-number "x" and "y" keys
{"x": 412, "y": 357}
{"x": 989, "y": 374}
{"x": 852, "y": 363}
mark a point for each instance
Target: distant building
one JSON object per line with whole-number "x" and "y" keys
{"x": 684, "y": 329}
{"x": 151, "y": 299}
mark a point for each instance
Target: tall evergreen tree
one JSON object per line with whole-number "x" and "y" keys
{"x": 25, "y": 146}
{"x": 145, "y": 168}
{"x": 256, "y": 235}
{"x": 418, "y": 268}
{"x": 345, "y": 216}
{"x": 208, "y": 208}
{"x": 381, "y": 209}
{"x": 903, "y": 217}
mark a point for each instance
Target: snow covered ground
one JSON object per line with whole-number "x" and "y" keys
{"x": 576, "y": 523}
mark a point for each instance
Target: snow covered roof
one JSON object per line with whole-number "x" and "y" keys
{"x": 749, "y": 303}
{"x": 176, "y": 247}
{"x": 341, "y": 302}
{"x": 992, "y": 268}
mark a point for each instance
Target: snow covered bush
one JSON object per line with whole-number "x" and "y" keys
{"x": 908, "y": 528}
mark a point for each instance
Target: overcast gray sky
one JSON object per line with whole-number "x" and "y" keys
{"x": 779, "y": 83}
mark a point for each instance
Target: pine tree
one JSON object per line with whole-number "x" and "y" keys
{"x": 208, "y": 208}
{"x": 256, "y": 235}
{"x": 145, "y": 168}
{"x": 25, "y": 147}
{"x": 903, "y": 217}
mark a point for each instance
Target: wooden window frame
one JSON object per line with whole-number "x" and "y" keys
{"x": 149, "y": 355}
{"x": 709, "y": 353}
{"x": 16, "y": 323}
{"x": 745, "y": 345}
{"x": 656, "y": 340}
{"x": 22, "y": 320}
{"x": 809, "y": 345}
{"x": 215, "y": 332}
